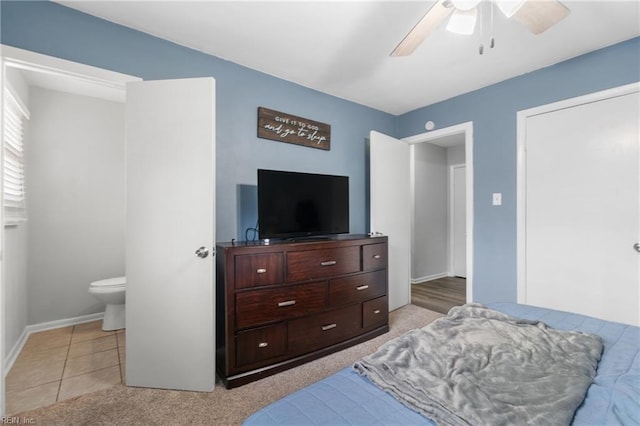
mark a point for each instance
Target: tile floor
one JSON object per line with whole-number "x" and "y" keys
{"x": 63, "y": 363}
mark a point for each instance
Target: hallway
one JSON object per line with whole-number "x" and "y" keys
{"x": 441, "y": 294}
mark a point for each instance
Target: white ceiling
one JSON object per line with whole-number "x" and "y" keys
{"x": 342, "y": 47}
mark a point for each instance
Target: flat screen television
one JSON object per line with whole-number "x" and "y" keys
{"x": 293, "y": 204}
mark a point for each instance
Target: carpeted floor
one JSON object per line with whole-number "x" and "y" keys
{"x": 121, "y": 405}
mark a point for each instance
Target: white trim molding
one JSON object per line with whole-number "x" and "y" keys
{"x": 33, "y": 61}
{"x": 466, "y": 129}
{"x": 430, "y": 277}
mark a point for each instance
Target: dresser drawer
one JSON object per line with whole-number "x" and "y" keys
{"x": 317, "y": 331}
{"x": 374, "y": 256}
{"x": 260, "y": 344}
{"x": 263, "y": 306}
{"x": 311, "y": 264}
{"x": 253, "y": 270}
{"x": 357, "y": 288}
{"x": 375, "y": 312}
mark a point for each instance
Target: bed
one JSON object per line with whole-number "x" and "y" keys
{"x": 349, "y": 398}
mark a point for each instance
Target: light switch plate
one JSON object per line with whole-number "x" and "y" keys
{"x": 497, "y": 198}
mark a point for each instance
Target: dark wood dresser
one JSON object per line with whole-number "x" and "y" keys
{"x": 282, "y": 304}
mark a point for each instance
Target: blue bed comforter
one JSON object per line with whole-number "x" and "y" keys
{"x": 346, "y": 398}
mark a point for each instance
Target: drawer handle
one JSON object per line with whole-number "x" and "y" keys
{"x": 377, "y": 311}
{"x": 287, "y": 303}
{"x": 328, "y": 263}
{"x": 261, "y": 271}
{"x": 376, "y": 256}
{"x": 329, "y": 327}
{"x": 362, "y": 287}
{"x": 263, "y": 345}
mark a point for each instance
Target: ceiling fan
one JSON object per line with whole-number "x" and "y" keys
{"x": 537, "y": 15}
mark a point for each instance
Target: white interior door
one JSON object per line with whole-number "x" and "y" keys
{"x": 459, "y": 221}
{"x": 583, "y": 209}
{"x": 391, "y": 210}
{"x": 170, "y": 214}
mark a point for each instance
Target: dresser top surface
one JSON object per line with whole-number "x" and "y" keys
{"x": 304, "y": 241}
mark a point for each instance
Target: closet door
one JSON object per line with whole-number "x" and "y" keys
{"x": 391, "y": 210}
{"x": 170, "y": 215}
{"x": 583, "y": 209}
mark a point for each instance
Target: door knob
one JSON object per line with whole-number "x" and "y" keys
{"x": 202, "y": 252}
{"x": 637, "y": 247}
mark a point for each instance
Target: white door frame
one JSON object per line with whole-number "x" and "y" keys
{"x": 466, "y": 129}
{"x": 24, "y": 59}
{"x": 2, "y": 289}
{"x": 521, "y": 185}
{"x": 19, "y": 58}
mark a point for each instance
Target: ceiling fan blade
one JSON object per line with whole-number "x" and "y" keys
{"x": 540, "y": 15}
{"x": 425, "y": 26}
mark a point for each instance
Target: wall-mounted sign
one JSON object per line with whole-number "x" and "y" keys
{"x": 278, "y": 126}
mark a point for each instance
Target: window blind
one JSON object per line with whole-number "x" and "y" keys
{"x": 13, "y": 198}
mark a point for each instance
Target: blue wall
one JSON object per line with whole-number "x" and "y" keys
{"x": 58, "y": 31}
{"x": 493, "y": 111}
{"x": 55, "y": 30}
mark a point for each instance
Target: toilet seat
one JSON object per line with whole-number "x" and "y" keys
{"x": 110, "y": 282}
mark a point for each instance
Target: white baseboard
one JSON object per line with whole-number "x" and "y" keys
{"x": 43, "y": 326}
{"x": 430, "y": 277}
{"x": 15, "y": 351}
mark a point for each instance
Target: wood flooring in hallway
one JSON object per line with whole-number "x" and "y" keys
{"x": 441, "y": 294}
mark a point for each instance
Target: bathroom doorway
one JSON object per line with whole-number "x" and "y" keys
{"x": 71, "y": 232}
{"x": 195, "y": 349}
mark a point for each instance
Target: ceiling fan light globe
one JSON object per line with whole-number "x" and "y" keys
{"x": 463, "y": 21}
{"x": 465, "y": 4}
{"x": 509, "y": 7}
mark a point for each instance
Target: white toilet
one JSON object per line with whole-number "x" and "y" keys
{"x": 112, "y": 292}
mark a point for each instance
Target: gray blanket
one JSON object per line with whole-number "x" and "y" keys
{"x": 477, "y": 366}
